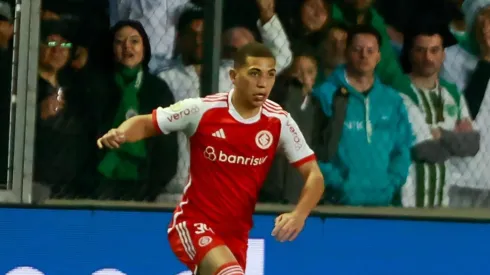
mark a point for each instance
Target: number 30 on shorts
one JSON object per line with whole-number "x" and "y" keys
{"x": 202, "y": 228}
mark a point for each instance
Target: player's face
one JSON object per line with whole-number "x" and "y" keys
{"x": 427, "y": 55}
{"x": 255, "y": 79}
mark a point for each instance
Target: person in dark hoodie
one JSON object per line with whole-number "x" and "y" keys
{"x": 64, "y": 153}
{"x": 136, "y": 171}
{"x": 292, "y": 91}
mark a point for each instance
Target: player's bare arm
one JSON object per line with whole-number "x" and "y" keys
{"x": 180, "y": 116}
{"x": 289, "y": 225}
{"x": 131, "y": 130}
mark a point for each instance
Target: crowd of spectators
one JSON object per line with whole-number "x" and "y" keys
{"x": 390, "y": 94}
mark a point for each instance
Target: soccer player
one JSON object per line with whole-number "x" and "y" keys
{"x": 233, "y": 139}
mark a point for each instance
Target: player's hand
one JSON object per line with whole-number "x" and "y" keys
{"x": 288, "y": 226}
{"x": 112, "y": 140}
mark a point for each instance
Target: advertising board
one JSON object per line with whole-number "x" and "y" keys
{"x": 84, "y": 242}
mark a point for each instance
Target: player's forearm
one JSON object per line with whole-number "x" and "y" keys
{"x": 137, "y": 128}
{"x": 311, "y": 194}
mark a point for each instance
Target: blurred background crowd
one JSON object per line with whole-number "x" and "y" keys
{"x": 415, "y": 136}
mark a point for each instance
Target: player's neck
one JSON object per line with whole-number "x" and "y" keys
{"x": 243, "y": 109}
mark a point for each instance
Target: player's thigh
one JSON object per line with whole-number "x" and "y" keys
{"x": 219, "y": 259}
{"x": 196, "y": 244}
{"x": 239, "y": 249}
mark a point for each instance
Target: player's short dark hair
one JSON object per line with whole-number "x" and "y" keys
{"x": 187, "y": 17}
{"x": 253, "y": 49}
{"x": 362, "y": 29}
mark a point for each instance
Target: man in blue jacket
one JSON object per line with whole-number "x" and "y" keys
{"x": 368, "y": 126}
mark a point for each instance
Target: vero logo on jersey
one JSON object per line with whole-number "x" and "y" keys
{"x": 180, "y": 112}
{"x": 211, "y": 154}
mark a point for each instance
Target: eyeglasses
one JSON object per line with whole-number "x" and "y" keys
{"x": 65, "y": 45}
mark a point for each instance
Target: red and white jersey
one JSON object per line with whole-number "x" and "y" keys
{"x": 230, "y": 156}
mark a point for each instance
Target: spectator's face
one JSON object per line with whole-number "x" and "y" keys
{"x": 482, "y": 28}
{"x": 334, "y": 48}
{"x": 363, "y": 54}
{"x": 360, "y": 4}
{"x": 314, "y": 15}
{"x": 128, "y": 47}
{"x": 49, "y": 15}
{"x": 427, "y": 55}
{"x": 6, "y": 30}
{"x": 236, "y": 38}
{"x": 54, "y": 52}
{"x": 255, "y": 80}
{"x": 305, "y": 69}
{"x": 191, "y": 41}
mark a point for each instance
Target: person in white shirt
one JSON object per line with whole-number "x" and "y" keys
{"x": 438, "y": 113}
{"x": 468, "y": 65}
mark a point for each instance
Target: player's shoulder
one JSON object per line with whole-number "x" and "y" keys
{"x": 273, "y": 109}
{"x": 203, "y": 103}
{"x": 214, "y": 101}
{"x": 219, "y": 97}
{"x": 188, "y": 103}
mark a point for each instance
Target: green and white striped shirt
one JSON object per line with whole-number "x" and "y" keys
{"x": 436, "y": 108}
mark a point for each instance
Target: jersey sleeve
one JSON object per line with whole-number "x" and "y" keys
{"x": 183, "y": 116}
{"x": 293, "y": 143}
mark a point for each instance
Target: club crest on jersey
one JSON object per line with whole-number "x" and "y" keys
{"x": 264, "y": 139}
{"x": 203, "y": 241}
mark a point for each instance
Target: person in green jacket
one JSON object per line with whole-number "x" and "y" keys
{"x": 354, "y": 12}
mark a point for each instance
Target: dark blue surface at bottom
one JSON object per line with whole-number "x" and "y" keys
{"x": 80, "y": 242}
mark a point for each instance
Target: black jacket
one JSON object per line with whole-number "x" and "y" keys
{"x": 161, "y": 163}
{"x": 284, "y": 183}
{"x": 64, "y": 154}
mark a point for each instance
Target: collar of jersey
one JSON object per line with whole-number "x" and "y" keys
{"x": 435, "y": 89}
{"x": 234, "y": 113}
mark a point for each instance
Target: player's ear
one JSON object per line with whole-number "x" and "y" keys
{"x": 233, "y": 74}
